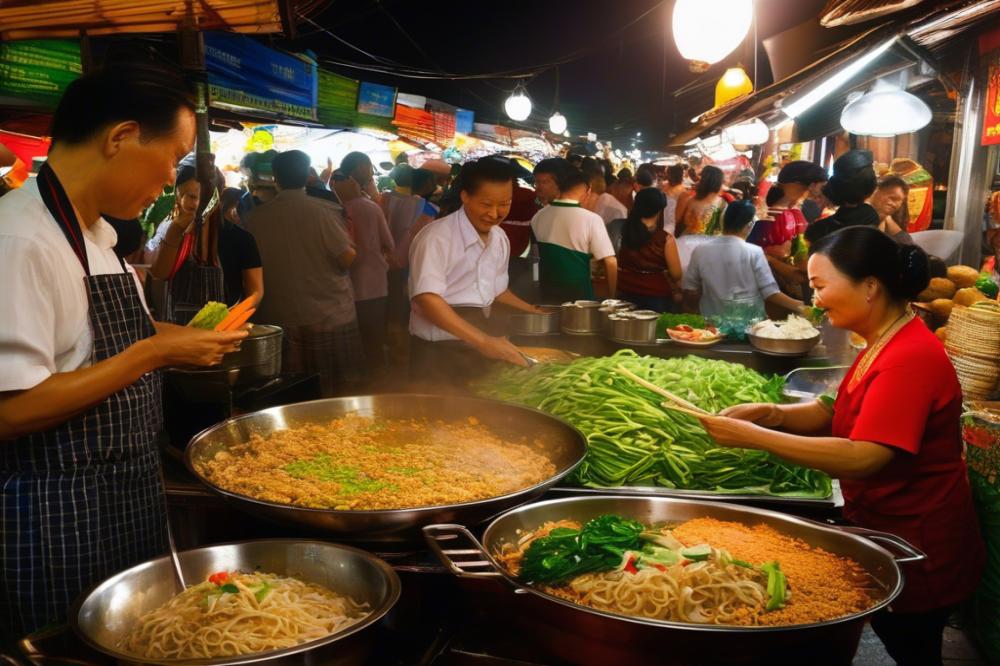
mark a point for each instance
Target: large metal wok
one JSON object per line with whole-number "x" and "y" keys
{"x": 564, "y": 445}
{"x": 105, "y": 614}
{"x": 582, "y": 635}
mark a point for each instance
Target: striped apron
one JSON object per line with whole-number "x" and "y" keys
{"x": 84, "y": 499}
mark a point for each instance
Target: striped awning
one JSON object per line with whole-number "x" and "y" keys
{"x": 38, "y": 19}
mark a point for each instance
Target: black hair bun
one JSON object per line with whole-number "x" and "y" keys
{"x": 913, "y": 268}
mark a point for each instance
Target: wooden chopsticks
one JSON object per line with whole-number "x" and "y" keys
{"x": 672, "y": 402}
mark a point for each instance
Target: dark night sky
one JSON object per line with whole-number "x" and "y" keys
{"x": 623, "y": 85}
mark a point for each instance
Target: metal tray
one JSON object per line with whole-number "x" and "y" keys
{"x": 835, "y": 500}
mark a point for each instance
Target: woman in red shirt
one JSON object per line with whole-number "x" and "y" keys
{"x": 893, "y": 435}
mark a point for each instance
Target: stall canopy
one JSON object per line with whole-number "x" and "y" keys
{"x": 34, "y": 19}
{"x": 873, "y": 53}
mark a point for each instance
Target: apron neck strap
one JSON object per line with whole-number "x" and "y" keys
{"x": 60, "y": 207}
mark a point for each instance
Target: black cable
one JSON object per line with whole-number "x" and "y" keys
{"x": 529, "y": 72}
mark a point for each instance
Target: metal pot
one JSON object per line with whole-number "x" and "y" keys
{"x": 562, "y": 443}
{"x": 585, "y": 635}
{"x": 610, "y": 307}
{"x": 636, "y": 327}
{"x": 105, "y": 614}
{"x": 581, "y": 317}
{"x": 256, "y": 361}
{"x": 526, "y": 323}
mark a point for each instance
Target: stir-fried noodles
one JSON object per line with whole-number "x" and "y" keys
{"x": 239, "y": 614}
{"x": 621, "y": 566}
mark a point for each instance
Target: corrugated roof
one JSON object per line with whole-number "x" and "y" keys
{"x": 37, "y": 19}
{"x": 849, "y": 12}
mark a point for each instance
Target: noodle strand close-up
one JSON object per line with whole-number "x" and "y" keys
{"x": 235, "y": 614}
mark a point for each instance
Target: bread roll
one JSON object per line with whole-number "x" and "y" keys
{"x": 941, "y": 307}
{"x": 968, "y": 296}
{"x": 963, "y": 276}
{"x": 938, "y": 288}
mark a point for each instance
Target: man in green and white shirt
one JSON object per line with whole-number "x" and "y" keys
{"x": 568, "y": 237}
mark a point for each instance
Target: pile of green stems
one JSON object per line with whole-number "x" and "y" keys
{"x": 633, "y": 441}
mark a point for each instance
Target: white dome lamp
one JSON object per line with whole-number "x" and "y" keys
{"x": 885, "y": 111}
{"x": 557, "y": 123}
{"x": 706, "y": 31}
{"x": 518, "y": 105}
{"x": 752, "y": 133}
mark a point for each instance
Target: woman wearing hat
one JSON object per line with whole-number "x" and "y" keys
{"x": 648, "y": 262}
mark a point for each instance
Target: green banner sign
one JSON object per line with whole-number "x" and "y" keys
{"x": 38, "y": 70}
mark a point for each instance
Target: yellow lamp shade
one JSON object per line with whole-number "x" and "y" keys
{"x": 734, "y": 84}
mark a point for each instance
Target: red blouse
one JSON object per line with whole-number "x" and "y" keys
{"x": 643, "y": 271}
{"x": 910, "y": 400}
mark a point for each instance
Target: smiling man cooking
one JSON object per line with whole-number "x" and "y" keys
{"x": 80, "y": 489}
{"x": 458, "y": 270}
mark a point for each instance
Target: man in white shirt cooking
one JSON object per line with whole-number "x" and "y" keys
{"x": 458, "y": 271}
{"x": 80, "y": 490}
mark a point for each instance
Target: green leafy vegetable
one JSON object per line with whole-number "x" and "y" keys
{"x": 209, "y": 316}
{"x": 260, "y": 592}
{"x": 815, "y": 314}
{"x": 777, "y": 585}
{"x": 652, "y": 555}
{"x": 566, "y": 553}
{"x": 229, "y": 588}
{"x": 632, "y": 441}
{"x": 986, "y": 285}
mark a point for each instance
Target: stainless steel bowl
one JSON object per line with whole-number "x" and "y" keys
{"x": 527, "y": 323}
{"x": 581, "y": 317}
{"x": 103, "y": 616}
{"x": 778, "y": 347}
{"x": 257, "y": 360}
{"x": 564, "y": 445}
{"x": 584, "y": 635}
{"x": 635, "y": 327}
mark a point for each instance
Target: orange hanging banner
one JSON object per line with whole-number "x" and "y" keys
{"x": 991, "y": 114}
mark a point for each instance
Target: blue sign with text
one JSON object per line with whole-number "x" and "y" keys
{"x": 243, "y": 73}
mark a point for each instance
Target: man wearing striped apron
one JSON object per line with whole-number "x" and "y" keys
{"x": 80, "y": 490}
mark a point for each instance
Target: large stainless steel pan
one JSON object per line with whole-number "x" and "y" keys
{"x": 105, "y": 614}
{"x": 589, "y": 636}
{"x": 564, "y": 445}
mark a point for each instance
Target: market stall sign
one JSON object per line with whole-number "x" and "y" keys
{"x": 464, "y": 121}
{"x": 376, "y": 100}
{"x": 444, "y": 127}
{"x": 246, "y": 75}
{"x": 39, "y": 70}
{"x": 991, "y": 116}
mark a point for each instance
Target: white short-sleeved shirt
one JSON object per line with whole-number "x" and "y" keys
{"x": 610, "y": 209}
{"x": 44, "y": 320}
{"x": 448, "y": 258}
{"x": 573, "y": 228}
{"x": 727, "y": 268}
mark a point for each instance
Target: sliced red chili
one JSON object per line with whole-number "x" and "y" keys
{"x": 219, "y": 578}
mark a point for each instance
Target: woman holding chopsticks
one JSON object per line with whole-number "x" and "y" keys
{"x": 901, "y": 470}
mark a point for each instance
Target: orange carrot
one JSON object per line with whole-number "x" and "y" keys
{"x": 240, "y": 320}
{"x": 234, "y": 313}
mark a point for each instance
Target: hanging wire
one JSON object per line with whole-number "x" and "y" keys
{"x": 393, "y": 68}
